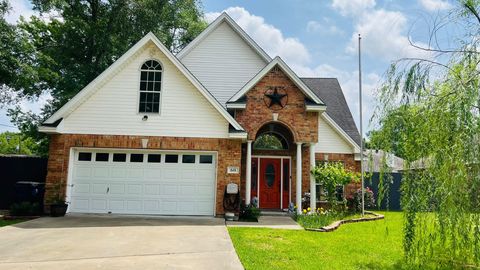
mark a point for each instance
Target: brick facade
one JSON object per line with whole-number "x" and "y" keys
{"x": 228, "y": 154}
{"x": 303, "y": 124}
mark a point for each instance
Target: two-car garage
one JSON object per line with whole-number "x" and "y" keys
{"x": 142, "y": 182}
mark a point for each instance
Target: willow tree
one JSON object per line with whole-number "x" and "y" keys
{"x": 437, "y": 101}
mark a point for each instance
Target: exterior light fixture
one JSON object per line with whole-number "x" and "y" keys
{"x": 144, "y": 143}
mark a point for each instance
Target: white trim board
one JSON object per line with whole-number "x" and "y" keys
{"x": 341, "y": 132}
{"x": 284, "y": 67}
{"x": 92, "y": 87}
{"x": 224, "y": 17}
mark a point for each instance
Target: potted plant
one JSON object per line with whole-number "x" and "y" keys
{"x": 58, "y": 207}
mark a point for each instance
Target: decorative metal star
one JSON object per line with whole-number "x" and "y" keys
{"x": 275, "y": 98}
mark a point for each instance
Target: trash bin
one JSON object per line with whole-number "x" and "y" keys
{"x": 28, "y": 191}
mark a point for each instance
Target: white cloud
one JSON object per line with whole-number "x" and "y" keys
{"x": 352, "y": 7}
{"x": 267, "y": 36}
{"x": 383, "y": 35}
{"x": 435, "y": 5}
{"x": 19, "y": 8}
{"x": 326, "y": 27}
{"x": 384, "y": 32}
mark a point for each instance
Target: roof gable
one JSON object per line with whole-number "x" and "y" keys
{"x": 93, "y": 86}
{"x": 277, "y": 61}
{"x": 224, "y": 17}
{"x": 329, "y": 90}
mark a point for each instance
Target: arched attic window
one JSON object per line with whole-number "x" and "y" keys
{"x": 150, "y": 87}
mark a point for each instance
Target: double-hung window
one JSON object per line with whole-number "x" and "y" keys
{"x": 150, "y": 87}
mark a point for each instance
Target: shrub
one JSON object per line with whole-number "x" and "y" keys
{"x": 249, "y": 212}
{"x": 25, "y": 209}
{"x": 354, "y": 201}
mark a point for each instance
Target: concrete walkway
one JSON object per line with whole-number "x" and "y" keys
{"x": 272, "y": 222}
{"x": 113, "y": 242}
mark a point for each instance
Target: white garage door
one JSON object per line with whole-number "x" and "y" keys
{"x": 136, "y": 182}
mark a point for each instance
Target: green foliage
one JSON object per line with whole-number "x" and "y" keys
{"x": 437, "y": 107}
{"x": 318, "y": 218}
{"x": 249, "y": 212}
{"x": 17, "y": 143}
{"x": 25, "y": 209}
{"x": 268, "y": 141}
{"x": 62, "y": 55}
{"x": 369, "y": 199}
{"x": 331, "y": 175}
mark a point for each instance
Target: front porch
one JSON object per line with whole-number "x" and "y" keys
{"x": 275, "y": 165}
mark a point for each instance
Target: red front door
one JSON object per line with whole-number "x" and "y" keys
{"x": 270, "y": 178}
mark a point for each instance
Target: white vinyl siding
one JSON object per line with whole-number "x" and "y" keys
{"x": 223, "y": 62}
{"x": 329, "y": 141}
{"x": 113, "y": 109}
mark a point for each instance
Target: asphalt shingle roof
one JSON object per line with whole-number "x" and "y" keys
{"x": 330, "y": 92}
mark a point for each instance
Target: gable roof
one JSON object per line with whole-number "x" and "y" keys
{"x": 329, "y": 90}
{"x": 91, "y": 88}
{"x": 277, "y": 61}
{"x": 224, "y": 17}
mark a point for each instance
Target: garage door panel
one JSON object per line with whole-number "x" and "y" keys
{"x": 99, "y": 204}
{"x": 82, "y": 188}
{"x": 152, "y": 174}
{"x": 169, "y": 189}
{"x": 81, "y": 204}
{"x": 134, "y": 189}
{"x": 151, "y": 206}
{"x": 101, "y": 172}
{"x": 135, "y": 173}
{"x": 148, "y": 187}
{"x": 117, "y": 205}
{"x": 100, "y": 188}
{"x": 152, "y": 189}
{"x": 134, "y": 205}
{"x": 188, "y": 190}
{"x": 116, "y": 189}
{"x": 117, "y": 172}
{"x": 82, "y": 172}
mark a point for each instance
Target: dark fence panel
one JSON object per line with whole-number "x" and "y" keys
{"x": 394, "y": 190}
{"x": 19, "y": 168}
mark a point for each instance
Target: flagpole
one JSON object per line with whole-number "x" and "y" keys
{"x": 361, "y": 119}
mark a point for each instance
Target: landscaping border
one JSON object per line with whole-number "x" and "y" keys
{"x": 332, "y": 227}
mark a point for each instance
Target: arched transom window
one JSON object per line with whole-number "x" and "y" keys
{"x": 150, "y": 87}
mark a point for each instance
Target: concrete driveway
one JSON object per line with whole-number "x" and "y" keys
{"x": 114, "y": 242}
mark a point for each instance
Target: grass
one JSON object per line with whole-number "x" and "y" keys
{"x": 10, "y": 222}
{"x": 366, "y": 245}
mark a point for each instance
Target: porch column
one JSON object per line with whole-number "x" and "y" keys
{"x": 313, "y": 193}
{"x": 298, "y": 196}
{"x": 248, "y": 178}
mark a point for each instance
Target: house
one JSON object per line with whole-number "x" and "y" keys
{"x": 376, "y": 159}
{"x": 158, "y": 133}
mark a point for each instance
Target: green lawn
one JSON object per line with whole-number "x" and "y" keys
{"x": 10, "y": 222}
{"x": 366, "y": 245}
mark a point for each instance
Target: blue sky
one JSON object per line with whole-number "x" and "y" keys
{"x": 319, "y": 38}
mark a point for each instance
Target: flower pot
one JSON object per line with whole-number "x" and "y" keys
{"x": 58, "y": 210}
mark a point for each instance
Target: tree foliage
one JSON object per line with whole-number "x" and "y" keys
{"x": 17, "y": 143}
{"x": 73, "y": 41}
{"x": 431, "y": 107}
{"x": 331, "y": 175}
